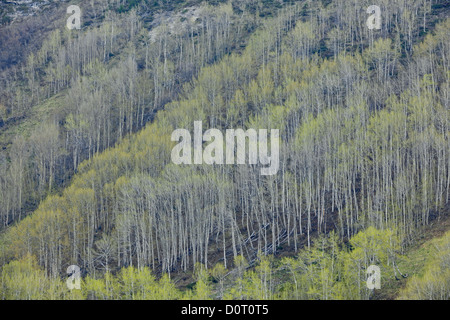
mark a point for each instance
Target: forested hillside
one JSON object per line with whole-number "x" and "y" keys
{"x": 86, "y": 176}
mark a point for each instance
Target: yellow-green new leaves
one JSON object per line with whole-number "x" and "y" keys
{"x": 25, "y": 280}
{"x": 434, "y": 282}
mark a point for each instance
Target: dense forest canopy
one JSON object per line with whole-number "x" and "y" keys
{"x": 86, "y": 177}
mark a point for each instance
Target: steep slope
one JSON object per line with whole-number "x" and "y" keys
{"x": 79, "y": 92}
{"x": 364, "y": 152}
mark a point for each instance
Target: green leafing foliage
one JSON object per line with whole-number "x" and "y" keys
{"x": 328, "y": 270}
{"x": 364, "y": 146}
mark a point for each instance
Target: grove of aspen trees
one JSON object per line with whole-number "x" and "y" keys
{"x": 86, "y": 176}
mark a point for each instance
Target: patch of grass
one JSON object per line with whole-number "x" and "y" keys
{"x": 39, "y": 114}
{"x": 414, "y": 261}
